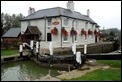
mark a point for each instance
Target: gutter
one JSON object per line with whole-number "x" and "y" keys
{"x": 58, "y": 16}
{"x": 45, "y": 29}
{"x": 61, "y": 29}
{"x": 59, "y": 12}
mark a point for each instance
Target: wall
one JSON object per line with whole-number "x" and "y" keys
{"x": 40, "y": 23}
{"x": 97, "y": 48}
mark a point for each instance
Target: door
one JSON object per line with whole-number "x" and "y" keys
{"x": 49, "y": 37}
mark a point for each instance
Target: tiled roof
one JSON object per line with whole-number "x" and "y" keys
{"x": 32, "y": 30}
{"x": 13, "y": 32}
{"x": 57, "y": 11}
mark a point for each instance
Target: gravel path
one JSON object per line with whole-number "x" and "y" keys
{"x": 77, "y": 73}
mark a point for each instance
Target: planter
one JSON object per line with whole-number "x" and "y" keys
{"x": 54, "y": 31}
{"x": 64, "y": 32}
{"x": 73, "y": 32}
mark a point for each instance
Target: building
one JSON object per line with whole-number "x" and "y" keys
{"x": 12, "y": 36}
{"x": 61, "y": 26}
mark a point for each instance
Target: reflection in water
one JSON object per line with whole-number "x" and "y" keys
{"x": 18, "y": 71}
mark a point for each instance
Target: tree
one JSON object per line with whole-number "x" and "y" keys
{"x": 1, "y": 29}
{"x": 111, "y": 36}
{"x": 9, "y": 21}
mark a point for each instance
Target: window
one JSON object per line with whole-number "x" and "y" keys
{"x": 76, "y": 24}
{"x": 65, "y": 22}
{"x": 49, "y": 37}
{"x": 49, "y": 20}
{"x": 65, "y": 39}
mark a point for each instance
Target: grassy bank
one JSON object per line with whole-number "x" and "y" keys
{"x": 112, "y": 63}
{"x": 103, "y": 75}
{"x": 8, "y": 52}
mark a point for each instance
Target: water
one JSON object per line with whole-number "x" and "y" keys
{"x": 19, "y": 70}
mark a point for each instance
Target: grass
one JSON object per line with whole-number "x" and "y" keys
{"x": 112, "y": 63}
{"x": 8, "y": 52}
{"x": 103, "y": 75}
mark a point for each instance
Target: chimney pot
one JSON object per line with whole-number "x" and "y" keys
{"x": 31, "y": 10}
{"x": 88, "y": 13}
{"x": 70, "y": 5}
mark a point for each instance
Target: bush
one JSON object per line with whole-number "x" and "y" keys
{"x": 116, "y": 44}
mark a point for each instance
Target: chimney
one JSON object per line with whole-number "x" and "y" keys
{"x": 31, "y": 11}
{"x": 70, "y": 5}
{"x": 88, "y": 13}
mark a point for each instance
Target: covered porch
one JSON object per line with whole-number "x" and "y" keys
{"x": 31, "y": 33}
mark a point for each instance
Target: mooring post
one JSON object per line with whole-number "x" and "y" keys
{"x": 21, "y": 50}
{"x": 51, "y": 51}
{"x": 31, "y": 45}
{"x": 37, "y": 49}
{"x": 85, "y": 49}
{"x": 51, "y": 48}
{"x": 74, "y": 53}
{"x": 85, "y": 53}
{"x": 78, "y": 59}
{"x": 74, "y": 48}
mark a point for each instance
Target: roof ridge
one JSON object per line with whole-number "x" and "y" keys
{"x": 57, "y": 11}
{"x": 42, "y": 10}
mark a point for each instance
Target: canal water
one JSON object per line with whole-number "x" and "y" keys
{"x": 19, "y": 70}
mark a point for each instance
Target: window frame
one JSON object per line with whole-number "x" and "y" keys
{"x": 64, "y": 22}
{"x": 64, "y": 38}
{"x": 48, "y": 22}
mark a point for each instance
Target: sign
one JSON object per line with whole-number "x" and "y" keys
{"x": 56, "y": 22}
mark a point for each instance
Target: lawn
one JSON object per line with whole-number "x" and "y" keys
{"x": 8, "y": 52}
{"x": 103, "y": 75}
{"x": 112, "y": 63}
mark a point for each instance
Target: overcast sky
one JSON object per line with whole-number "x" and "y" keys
{"x": 106, "y": 13}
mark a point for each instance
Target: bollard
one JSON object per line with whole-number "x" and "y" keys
{"x": 85, "y": 48}
{"x": 74, "y": 48}
{"x": 51, "y": 48}
{"x": 31, "y": 44}
{"x": 37, "y": 49}
{"x": 85, "y": 52}
{"x": 51, "y": 52}
{"x": 78, "y": 57}
{"x": 20, "y": 50}
{"x": 74, "y": 54}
